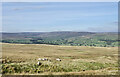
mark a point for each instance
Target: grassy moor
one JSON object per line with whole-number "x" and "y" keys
{"x": 60, "y": 38}
{"x": 78, "y": 60}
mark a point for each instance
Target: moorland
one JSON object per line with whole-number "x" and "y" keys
{"x": 81, "y": 53}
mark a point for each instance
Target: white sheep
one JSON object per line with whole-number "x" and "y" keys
{"x": 42, "y": 59}
{"x": 58, "y": 59}
{"x": 39, "y": 59}
{"x": 39, "y": 63}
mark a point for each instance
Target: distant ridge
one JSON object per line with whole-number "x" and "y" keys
{"x": 73, "y": 38}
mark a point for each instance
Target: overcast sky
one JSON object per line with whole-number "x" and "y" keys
{"x": 60, "y": 16}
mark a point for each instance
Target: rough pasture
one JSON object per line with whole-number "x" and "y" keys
{"x": 75, "y": 59}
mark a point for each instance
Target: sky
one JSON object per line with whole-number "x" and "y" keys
{"x": 59, "y": 16}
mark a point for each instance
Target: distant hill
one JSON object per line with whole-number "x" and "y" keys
{"x": 61, "y": 34}
{"x": 102, "y": 39}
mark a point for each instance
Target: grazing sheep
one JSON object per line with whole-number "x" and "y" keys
{"x": 58, "y": 59}
{"x": 42, "y": 59}
{"x": 39, "y": 63}
{"x": 39, "y": 59}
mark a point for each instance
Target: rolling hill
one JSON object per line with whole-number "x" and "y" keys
{"x": 102, "y": 39}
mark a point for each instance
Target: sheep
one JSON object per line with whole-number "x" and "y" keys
{"x": 42, "y": 59}
{"x": 39, "y": 63}
{"x": 39, "y": 59}
{"x": 58, "y": 59}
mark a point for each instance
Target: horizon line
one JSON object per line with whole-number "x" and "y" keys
{"x": 58, "y": 31}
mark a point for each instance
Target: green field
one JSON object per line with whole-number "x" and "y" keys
{"x": 78, "y": 60}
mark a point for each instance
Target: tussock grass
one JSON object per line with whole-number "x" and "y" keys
{"x": 22, "y": 59}
{"x": 34, "y": 68}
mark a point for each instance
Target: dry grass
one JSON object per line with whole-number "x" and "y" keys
{"x": 74, "y": 55}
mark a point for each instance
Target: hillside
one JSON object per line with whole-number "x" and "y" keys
{"x": 103, "y": 39}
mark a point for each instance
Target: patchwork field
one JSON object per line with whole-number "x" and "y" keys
{"x": 78, "y": 60}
